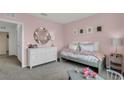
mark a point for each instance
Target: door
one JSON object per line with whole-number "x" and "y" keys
{"x": 3, "y": 43}
{"x": 19, "y": 42}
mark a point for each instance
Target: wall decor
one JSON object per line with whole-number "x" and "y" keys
{"x": 41, "y": 35}
{"x": 99, "y": 28}
{"x": 81, "y": 31}
{"x": 76, "y": 32}
{"x": 89, "y": 30}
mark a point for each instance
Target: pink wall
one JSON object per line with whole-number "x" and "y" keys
{"x": 31, "y": 23}
{"x": 113, "y": 25}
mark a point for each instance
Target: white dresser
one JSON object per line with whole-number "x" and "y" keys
{"x": 37, "y": 56}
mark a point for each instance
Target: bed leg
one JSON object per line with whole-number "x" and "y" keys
{"x": 60, "y": 59}
{"x": 30, "y": 67}
{"x": 101, "y": 67}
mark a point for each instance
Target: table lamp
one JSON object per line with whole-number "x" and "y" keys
{"x": 116, "y": 42}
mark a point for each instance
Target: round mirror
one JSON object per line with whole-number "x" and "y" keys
{"x": 41, "y": 35}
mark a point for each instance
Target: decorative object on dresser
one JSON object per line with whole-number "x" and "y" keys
{"x": 116, "y": 62}
{"x": 37, "y": 56}
{"x": 32, "y": 46}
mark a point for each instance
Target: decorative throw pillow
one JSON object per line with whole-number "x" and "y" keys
{"x": 74, "y": 46}
{"x": 87, "y": 47}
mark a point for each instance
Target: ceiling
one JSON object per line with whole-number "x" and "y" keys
{"x": 62, "y": 18}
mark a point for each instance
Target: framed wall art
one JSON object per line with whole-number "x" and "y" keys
{"x": 81, "y": 31}
{"x": 99, "y": 28}
{"x": 89, "y": 30}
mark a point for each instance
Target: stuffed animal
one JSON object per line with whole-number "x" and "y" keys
{"x": 89, "y": 73}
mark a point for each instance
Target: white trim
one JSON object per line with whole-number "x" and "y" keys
{"x": 23, "y": 46}
{"x": 16, "y": 22}
{"x": 10, "y": 21}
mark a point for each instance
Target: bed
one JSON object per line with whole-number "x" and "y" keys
{"x": 85, "y": 53}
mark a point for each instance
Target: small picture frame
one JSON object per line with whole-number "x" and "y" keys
{"x": 76, "y": 32}
{"x": 81, "y": 31}
{"x": 89, "y": 29}
{"x": 99, "y": 28}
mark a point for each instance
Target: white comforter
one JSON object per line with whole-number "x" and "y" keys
{"x": 88, "y": 58}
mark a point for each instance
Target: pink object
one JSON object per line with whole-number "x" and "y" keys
{"x": 94, "y": 75}
{"x": 86, "y": 75}
{"x": 89, "y": 73}
{"x": 86, "y": 70}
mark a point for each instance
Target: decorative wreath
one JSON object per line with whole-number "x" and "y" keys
{"x": 41, "y": 35}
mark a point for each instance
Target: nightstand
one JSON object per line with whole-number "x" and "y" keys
{"x": 115, "y": 62}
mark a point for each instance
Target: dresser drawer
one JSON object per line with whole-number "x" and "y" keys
{"x": 112, "y": 58}
{"x": 115, "y": 59}
{"x": 118, "y": 60}
{"x": 41, "y": 55}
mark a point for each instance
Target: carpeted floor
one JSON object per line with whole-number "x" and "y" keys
{"x": 10, "y": 69}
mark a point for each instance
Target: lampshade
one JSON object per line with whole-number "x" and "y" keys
{"x": 116, "y": 42}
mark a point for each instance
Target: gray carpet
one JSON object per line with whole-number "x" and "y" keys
{"x": 10, "y": 69}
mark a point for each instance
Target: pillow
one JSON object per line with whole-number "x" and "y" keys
{"x": 73, "y": 46}
{"x": 88, "y": 47}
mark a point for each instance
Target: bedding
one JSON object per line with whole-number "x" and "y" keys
{"x": 88, "y": 46}
{"x": 84, "y": 55}
{"x": 73, "y": 46}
